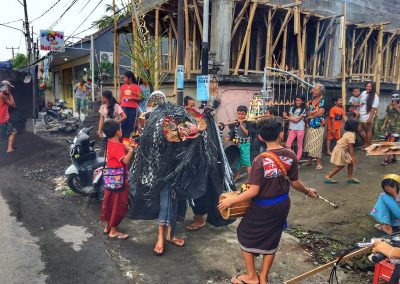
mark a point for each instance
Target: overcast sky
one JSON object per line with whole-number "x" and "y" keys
{"x": 12, "y": 10}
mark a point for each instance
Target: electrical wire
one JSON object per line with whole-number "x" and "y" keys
{"x": 48, "y": 10}
{"x": 62, "y": 15}
{"x": 13, "y": 21}
{"x": 19, "y": 1}
{"x": 12, "y": 28}
{"x": 84, "y": 6}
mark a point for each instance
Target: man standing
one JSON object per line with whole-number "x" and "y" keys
{"x": 315, "y": 125}
{"x": 80, "y": 91}
{"x": 97, "y": 93}
{"x": 7, "y": 131}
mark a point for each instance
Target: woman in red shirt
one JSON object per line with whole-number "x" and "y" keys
{"x": 130, "y": 96}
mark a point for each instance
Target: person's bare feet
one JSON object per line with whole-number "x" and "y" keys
{"x": 159, "y": 248}
{"x": 106, "y": 229}
{"x": 245, "y": 278}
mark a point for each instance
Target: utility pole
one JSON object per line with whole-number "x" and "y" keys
{"x": 12, "y": 50}
{"x": 181, "y": 41}
{"x": 27, "y": 34}
{"x": 204, "y": 48}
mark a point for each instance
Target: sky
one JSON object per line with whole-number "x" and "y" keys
{"x": 13, "y": 10}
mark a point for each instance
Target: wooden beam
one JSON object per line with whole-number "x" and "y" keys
{"x": 268, "y": 45}
{"x": 363, "y": 43}
{"x": 388, "y": 43}
{"x": 157, "y": 47}
{"x": 353, "y": 42}
{"x": 187, "y": 39}
{"x": 258, "y": 50}
{"x": 374, "y": 26}
{"x": 173, "y": 26}
{"x": 344, "y": 55}
{"x": 378, "y": 69}
{"x": 328, "y": 55}
{"x": 364, "y": 63}
{"x": 314, "y": 70}
{"x": 284, "y": 24}
{"x": 248, "y": 29}
{"x": 284, "y": 43}
{"x": 198, "y": 19}
{"x": 247, "y": 58}
{"x": 239, "y": 18}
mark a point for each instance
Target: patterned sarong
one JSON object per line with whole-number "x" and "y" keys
{"x": 314, "y": 142}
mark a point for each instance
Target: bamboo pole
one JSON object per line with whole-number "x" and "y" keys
{"x": 135, "y": 36}
{"x": 314, "y": 71}
{"x": 187, "y": 47}
{"x": 303, "y": 40}
{"x": 364, "y": 63}
{"x": 258, "y": 51}
{"x": 284, "y": 24}
{"x": 173, "y": 26}
{"x": 248, "y": 29}
{"x": 364, "y": 43}
{"x": 344, "y": 56}
{"x": 386, "y": 46}
{"x": 170, "y": 47}
{"x": 115, "y": 51}
{"x": 378, "y": 69}
{"x": 198, "y": 19}
{"x": 284, "y": 43}
{"x": 328, "y": 56}
{"x": 157, "y": 46}
{"x": 247, "y": 58}
{"x": 396, "y": 63}
{"x": 387, "y": 63}
{"x": 398, "y": 66}
{"x": 268, "y": 46}
{"x": 239, "y": 18}
{"x": 194, "y": 45}
{"x": 353, "y": 43}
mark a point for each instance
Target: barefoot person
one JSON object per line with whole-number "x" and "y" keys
{"x": 7, "y": 131}
{"x": 315, "y": 125}
{"x": 369, "y": 102}
{"x": 115, "y": 202}
{"x": 261, "y": 228}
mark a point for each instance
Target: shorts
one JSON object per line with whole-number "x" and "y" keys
{"x": 6, "y": 130}
{"x": 244, "y": 155}
{"x": 331, "y": 136}
{"x": 80, "y": 104}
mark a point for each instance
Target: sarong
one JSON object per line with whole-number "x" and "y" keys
{"x": 314, "y": 142}
{"x": 261, "y": 228}
{"x": 113, "y": 208}
{"x": 386, "y": 210}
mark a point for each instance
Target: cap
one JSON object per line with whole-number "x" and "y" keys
{"x": 393, "y": 177}
{"x": 6, "y": 83}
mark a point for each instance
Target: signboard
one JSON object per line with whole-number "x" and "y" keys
{"x": 203, "y": 87}
{"x": 180, "y": 74}
{"x": 52, "y": 40}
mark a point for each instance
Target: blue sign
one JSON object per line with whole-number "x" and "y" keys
{"x": 180, "y": 75}
{"x": 203, "y": 87}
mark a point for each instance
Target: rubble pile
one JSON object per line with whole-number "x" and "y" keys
{"x": 67, "y": 126}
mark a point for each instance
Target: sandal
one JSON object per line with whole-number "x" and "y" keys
{"x": 385, "y": 163}
{"x": 379, "y": 227}
{"x": 330, "y": 181}
{"x": 319, "y": 167}
{"x": 119, "y": 236}
{"x": 353, "y": 181}
{"x": 193, "y": 228}
{"x": 176, "y": 242}
{"x": 237, "y": 277}
{"x": 159, "y": 253}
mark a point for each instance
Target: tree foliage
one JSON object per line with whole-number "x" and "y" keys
{"x": 20, "y": 61}
{"x": 108, "y": 20}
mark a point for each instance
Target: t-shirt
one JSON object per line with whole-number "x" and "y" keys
{"x": 4, "y": 114}
{"x": 316, "y": 122}
{"x": 266, "y": 174}
{"x": 130, "y": 91}
{"x": 115, "y": 154}
{"x": 364, "y": 115}
{"x": 81, "y": 91}
{"x": 355, "y": 100}
{"x": 336, "y": 113}
{"x": 301, "y": 124}
{"x": 104, "y": 113}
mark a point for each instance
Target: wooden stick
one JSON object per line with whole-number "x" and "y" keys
{"x": 344, "y": 56}
{"x": 258, "y": 50}
{"x": 198, "y": 19}
{"x": 157, "y": 61}
{"x": 378, "y": 69}
{"x": 353, "y": 42}
{"x": 173, "y": 26}
{"x": 328, "y": 265}
{"x": 268, "y": 46}
{"x": 239, "y": 18}
{"x": 248, "y": 29}
{"x": 284, "y": 24}
{"x": 194, "y": 45}
{"x": 187, "y": 46}
{"x": 364, "y": 64}
{"x": 247, "y": 58}
{"x": 364, "y": 43}
{"x": 283, "y": 56}
{"x": 322, "y": 41}
{"x": 170, "y": 47}
{"x": 314, "y": 72}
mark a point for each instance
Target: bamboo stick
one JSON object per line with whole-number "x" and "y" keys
{"x": 170, "y": 47}
{"x": 239, "y": 18}
{"x": 196, "y": 12}
{"x": 379, "y": 63}
{"x": 258, "y": 51}
{"x": 387, "y": 45}
{"x": 187, "y": 47}
{"x": 395, "y": 64}
{"x": 328, "y": 56}
{"x": 387, "y": 63}
{"x": 284, "y": 43}
{"x": 344, "y": 56}
{"x": 247, "y": 58}
{"x": 353, "y": 43}
{"x": 173, "y": 26}
{"x": 314, "y": 72}
{"x": 364, "y": 63}
{"x": 398, "y": 66}
{"x": 284, "y": 24}
{"x": 248, "y": 29}
{"x": 194, "y": 44}
{"x": 363, "y": 43}
{"x": 268, "y": 46}
{"x": 135, "y": 36}
{"x": 157, "y": 61}
{"x": 115, "y": 52}
{"x": 303, "y": 40}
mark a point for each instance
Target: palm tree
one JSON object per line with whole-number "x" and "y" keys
{"x": 123, "y": 10}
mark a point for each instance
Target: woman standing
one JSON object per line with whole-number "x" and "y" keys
{"x": 369, "y": 102}
{"x": 109, "y": 110}
{"x": 130, "y": 97}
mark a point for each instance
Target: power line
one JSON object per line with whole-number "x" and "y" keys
{"x": 12, "y": 28}
{"x": 98, "y": 4}
{"x": 62, "y": 15}
{"x": 19, "y": 1}
{"x": 12, "y": 21}
{"x": 84, "y": 6}
{"x": 48, "y": 10}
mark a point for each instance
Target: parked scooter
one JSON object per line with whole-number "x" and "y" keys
{"x": 84, "y": 176}
{"x": 58, "y": 113}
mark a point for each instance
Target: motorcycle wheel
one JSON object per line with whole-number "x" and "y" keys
{"x": 74, "y": 184}
{"x": 48, "y": 119}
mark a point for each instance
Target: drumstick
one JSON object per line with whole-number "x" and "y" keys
{"x": 334, "y": 205}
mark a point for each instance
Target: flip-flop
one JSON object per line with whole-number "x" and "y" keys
{"x": 319, "y": 167}
{"x": 119, "y": 237}
{"x": 194, "y": 228}
{"x": 175, "y": 243}
{"x": 330, "y": 181}
{"x": 162, "y": 252}
{"x": 237, "y": 277}
{"x": 385, "y": 163}
{"x": 380, "y": 228}
{"x": 353, "y": 180}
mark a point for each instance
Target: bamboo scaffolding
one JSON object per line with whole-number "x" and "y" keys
{"x": 258, "y": 50}
{"x": 396, "y": 63}
{"x": 239, "y": 18}
{"x": 194, "y": 45}
{"x": 314, "y": 70}
{"x": 353, "y": 43}
{"x": 398, "y": 66}
{"x": 247, "y": 58}
{"x": 170, "y": 47}
{"x": 187, "y": 47}
{"x": 344, "y": 56}
{"x": 322, "y": 41}
{"x": 198, "y": 19}
{"x": 157, "y": 47}
{"x": 284, "y": 43}
{"x": 268, "y": 55}
{"x": 364, "y": 63}
{"x": 378, "y": 70}
{"x": 248, "y": 29}
{"x": 386, "y": 46}
{"x": 303, "y": 41}
{"x": 360, "y": 50}
{"x": 328, "y": 54}
{"x": 284, "y": 24}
